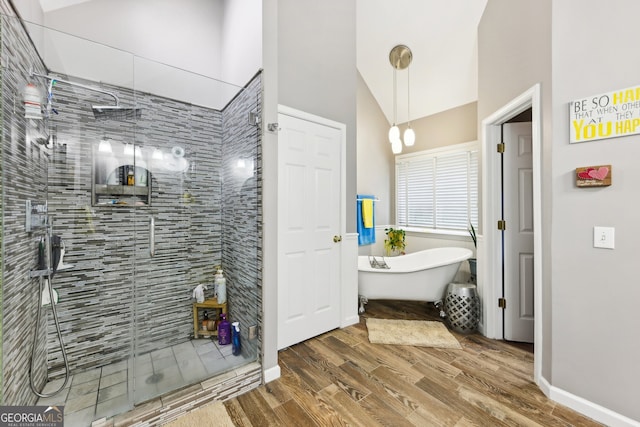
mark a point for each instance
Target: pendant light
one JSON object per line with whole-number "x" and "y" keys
{"x": 409, "y": 134}
{"x": 104, "y": 146}
{"x": 400, "y": 57}
{"x": 394, "y": 132}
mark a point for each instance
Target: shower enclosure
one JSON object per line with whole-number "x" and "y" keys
{"x": 149, "y": 191}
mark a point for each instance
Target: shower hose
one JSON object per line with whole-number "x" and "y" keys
{"x": 35, "y": 337}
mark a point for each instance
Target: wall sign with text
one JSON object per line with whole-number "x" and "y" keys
{"x": 607, "y": 115}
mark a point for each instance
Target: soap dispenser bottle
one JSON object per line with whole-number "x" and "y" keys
{"x": 224, "y": 330}
{"x": 236, "y": 347}
{"x": 220, "y": 284}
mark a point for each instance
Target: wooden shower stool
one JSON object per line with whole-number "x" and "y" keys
{"x": 213, "y": 305}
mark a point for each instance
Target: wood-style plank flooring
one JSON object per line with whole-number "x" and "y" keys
{"x": 340, "y": 379}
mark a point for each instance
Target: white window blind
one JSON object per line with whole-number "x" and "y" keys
{"x": 438, "y": 189}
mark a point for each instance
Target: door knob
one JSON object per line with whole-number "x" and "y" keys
{"x": 337, "y": 239}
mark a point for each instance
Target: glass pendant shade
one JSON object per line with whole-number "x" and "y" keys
{"x": 394, "y": 134}
{"x": 396, "y": 146}
{"x": 104, "y": 146}
{"x": 409, "y": 137}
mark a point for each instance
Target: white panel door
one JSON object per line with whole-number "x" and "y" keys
{"x": 309, "y": 204}
{"x": 518, "y": 236}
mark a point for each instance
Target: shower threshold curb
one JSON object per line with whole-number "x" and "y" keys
{"x": 170, "y": 406}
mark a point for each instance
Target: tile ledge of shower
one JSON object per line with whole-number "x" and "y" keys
{"x": 173, "y": 405}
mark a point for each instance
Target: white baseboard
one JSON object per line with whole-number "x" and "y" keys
{"x": 544, "y": 386}
{"x": 271, "y": 374}
{"x": 585, "y": 407}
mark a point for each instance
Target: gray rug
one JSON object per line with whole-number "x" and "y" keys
{"x": 419, "y": 333}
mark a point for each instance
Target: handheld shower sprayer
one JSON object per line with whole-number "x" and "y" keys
{"x": 56, "y": 254}
{"x": 50, "y": 252}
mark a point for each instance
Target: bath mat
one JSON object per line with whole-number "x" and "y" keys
{"x": 212, "y": 415}
{"x": 419, "y": 333}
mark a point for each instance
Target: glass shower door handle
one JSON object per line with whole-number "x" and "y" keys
{"x": 152, "y": 236}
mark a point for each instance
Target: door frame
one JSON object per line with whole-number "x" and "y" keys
{"x": 342, "y": 128}
{"x": 490, "y": 272}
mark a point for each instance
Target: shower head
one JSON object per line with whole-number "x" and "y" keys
{"x": 115, "y": 112}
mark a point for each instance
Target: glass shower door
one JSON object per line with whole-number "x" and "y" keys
{"x": 183, "y": 231}
{"x": 148, "y": 200}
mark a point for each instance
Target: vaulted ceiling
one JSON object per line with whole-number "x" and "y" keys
{"x": 442, "y": 35}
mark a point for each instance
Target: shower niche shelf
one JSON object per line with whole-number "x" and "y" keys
{"x": 106, "y": 193}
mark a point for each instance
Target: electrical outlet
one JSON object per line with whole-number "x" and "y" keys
{"x": 253, "y": 332}
{"x": 604, "y": 237}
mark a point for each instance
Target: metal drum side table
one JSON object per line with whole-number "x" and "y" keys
{"x": 462, "y": 307}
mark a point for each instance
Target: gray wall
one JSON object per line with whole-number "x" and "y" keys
{"x": 454, "y": 126}
{"x": 317, "y": 70}
{"x": 309, "y": 59}
{"x": 375, "y": 160}
{"x": 514, "y": 53}
{"x": 575, "y": 49}
{"x": 595, "y": 352}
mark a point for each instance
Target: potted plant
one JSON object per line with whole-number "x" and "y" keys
{"x": 394, "y": 243}
{"x": 472, "y": 261}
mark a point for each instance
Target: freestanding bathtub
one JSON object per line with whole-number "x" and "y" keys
{"x": 418, "y": 276}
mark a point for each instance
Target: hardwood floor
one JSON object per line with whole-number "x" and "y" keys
{"x": 340, "y": 379}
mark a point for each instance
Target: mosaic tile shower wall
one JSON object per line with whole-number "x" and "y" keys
{"x": 23, "y": 178}
{"x": 242, "y": 213}
{"x": 109, "y": 245}
{"x": 116, "y": 292}
{"x": 116, "y": 289}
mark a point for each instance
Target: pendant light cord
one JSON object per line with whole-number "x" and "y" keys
{"x": 408, "y": 99}
{"x": 395, "y": 96}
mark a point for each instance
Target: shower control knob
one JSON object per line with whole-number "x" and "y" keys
{"x": 337, "y": 239}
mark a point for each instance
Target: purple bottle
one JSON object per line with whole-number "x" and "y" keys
{"x": 224, "y": 330}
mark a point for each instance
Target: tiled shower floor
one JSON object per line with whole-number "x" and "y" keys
{"x": 103, "y": 392}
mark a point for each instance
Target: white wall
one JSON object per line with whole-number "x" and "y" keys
{"x": 270, "y": 192}
{"x": 30, "y": 10}
{"x": 185, "y": 34}
{"x": 241, "y": 53}
{"x": 197, "y": 51}
{"x": 596, "y": 294}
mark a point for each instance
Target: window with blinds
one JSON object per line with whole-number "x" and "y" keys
{"x": 438, "y": 189}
